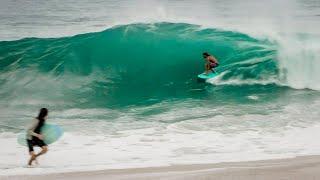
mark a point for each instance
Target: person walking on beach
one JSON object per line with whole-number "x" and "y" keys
{"x": 34, "y": 136}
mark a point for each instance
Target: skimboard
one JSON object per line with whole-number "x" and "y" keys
{"x": 50, "y": 132}
{"x": 206, "y": 76}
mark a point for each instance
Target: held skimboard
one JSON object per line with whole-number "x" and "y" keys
{"x": 50, "y": 132}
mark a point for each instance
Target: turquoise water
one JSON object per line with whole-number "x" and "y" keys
{"x": 121, "y": 79}
{"x": 131, "y": 64}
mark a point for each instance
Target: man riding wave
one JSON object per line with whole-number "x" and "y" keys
{"x": 211, "y": 62}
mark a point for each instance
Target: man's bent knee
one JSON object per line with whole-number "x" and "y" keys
{"x": 44, "y": 149}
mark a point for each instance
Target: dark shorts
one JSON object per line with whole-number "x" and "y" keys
{"x": 214, "y": 65}
{"x": 35, "y": 142}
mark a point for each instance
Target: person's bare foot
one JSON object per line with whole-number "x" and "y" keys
{"x": 33, "y": 158}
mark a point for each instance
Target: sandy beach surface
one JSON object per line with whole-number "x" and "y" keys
{"x": 306, "y": 167}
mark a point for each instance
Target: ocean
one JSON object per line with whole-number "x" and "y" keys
{"x": 120, "y": 77}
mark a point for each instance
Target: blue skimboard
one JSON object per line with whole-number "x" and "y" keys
{"x": 205, "y": 76}
{"x": 50, "y": 132}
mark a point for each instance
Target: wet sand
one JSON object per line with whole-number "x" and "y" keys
{"x": 305, "y": 168}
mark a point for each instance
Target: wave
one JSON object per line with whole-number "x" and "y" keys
{"x": 129, "y": 63}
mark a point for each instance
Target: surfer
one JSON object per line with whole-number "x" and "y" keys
{"x": 34, "y": 136}
{"x": 211, "y": 62}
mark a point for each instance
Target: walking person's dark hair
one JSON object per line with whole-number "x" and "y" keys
{"x": 41, "y": 117}
{"x": 42, "y": 114}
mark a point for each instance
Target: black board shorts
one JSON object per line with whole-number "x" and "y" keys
{"x": 35, "y": 142}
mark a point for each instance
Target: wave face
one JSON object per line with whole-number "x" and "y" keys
{"x": 128, "y": 64}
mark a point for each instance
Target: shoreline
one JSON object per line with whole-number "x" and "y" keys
{"x": 301, "y": 167}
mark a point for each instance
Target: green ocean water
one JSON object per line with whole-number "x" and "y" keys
{"x": 134, "y": 64}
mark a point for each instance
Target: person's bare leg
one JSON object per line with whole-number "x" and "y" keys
{"x": 43, "y": 151}
{"x": 32, "y": 158}
{"x": 207, "y": 67}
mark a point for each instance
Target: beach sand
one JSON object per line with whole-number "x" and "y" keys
{"x": 305, "y": 168}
